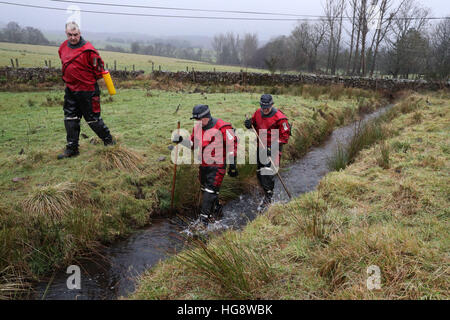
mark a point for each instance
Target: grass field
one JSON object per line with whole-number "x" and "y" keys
{"x": 34, "y": 56}
{"x": 389, "y": 209}
{"x": 53, "y": 211}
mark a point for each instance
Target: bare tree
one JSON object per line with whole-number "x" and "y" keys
{"x": 299, "y": 45}
{"x": 334, "y": 11}
{"x": 354, "y": 6}
{"x": 440, "y": 51}
{"x": 406, "y": 42}
{"x": 383, "y": 26}
{"x": 316, "y": 38}
{"x": 248, "y": 48}
{"x": 226, "y": 47}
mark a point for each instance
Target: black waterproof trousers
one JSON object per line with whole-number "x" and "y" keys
{"x": 211, "y": 179}
{"x": 265, "y": 174}
{"x": 78, "y": 104}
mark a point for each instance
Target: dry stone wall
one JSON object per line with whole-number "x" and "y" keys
{"x": 30, "y": 75}
{"x": 264, "y": 79}
{"x": 36, "y": 75}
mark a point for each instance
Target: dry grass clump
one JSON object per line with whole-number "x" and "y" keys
{"x": 343, "y": 264}
{"x": 119, "y": 157}
{"x": 410, "y": 104}
{"x": 406, "y": 199}
{"x": 12, "y": 284}
{"x": 417, "y": 118}
{"x": 236, "y": 268}
{"x": 52, "y": 201}
{"x": 336, "y": 91}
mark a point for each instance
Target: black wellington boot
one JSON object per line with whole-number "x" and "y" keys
{"x": 69, "y": 153}
{"x": 208, "y": 202}
{"x": 73, "y": 132}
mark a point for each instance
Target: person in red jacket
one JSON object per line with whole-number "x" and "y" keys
{"x": 217, "y": 146}
{"x": 265, "y": 120}
{"x": 82, "y": 66}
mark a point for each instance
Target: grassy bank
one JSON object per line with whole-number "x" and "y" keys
{"x": 389, "y": 209}
{"x": 33, "y": 56}
{"x": 55, "y": 211}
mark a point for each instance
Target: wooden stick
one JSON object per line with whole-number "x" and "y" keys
{"x": 175, "y": 169}
{"x": 270, "y": 158}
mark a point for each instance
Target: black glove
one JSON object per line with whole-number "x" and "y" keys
{"x": 248, "y": 123}
{"x": 177, "y": 139}
{"x": 232, "y": 171}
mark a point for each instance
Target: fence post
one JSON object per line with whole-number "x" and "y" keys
{"x": 107, "y": 68}
{"x": 46, "y": 63}
{"x": 115, "y": 65}
{"x": 125, "y": 69}
{"x": 159, "y": 68}
{"x": 153, "y": 66}
{"x": 12, "y": 63}
{"x": 133, "y": 67}
{"x": 50, "y": 64}
{"x": 187, "y": 68}
{"x": 193, "y": 74}
{"x": 17, "y": 63}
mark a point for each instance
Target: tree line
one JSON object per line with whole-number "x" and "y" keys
{"x": 354, "y": 37}
{"x": 13, "y": 32}
{"x": 171, "y": 50}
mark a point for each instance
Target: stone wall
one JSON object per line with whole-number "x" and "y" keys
{"x": 37, "y": 75}
{"x": 293, "y": 79}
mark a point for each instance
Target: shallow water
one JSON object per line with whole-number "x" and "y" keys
{"x": 115, "y": 275}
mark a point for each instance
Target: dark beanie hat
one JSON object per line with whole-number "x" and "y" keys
{"x": 201, "y": 111}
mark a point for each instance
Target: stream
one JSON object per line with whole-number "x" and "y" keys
{"x": 114, "y": 275}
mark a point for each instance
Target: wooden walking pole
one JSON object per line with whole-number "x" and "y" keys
{"x": 270, "y": 158}
{"x": 175, "y": 169}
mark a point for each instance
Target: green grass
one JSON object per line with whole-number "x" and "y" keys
{"x": 34, "y": 56}
{"x": 320, "y": 245}
{"x": 55, "y": 210}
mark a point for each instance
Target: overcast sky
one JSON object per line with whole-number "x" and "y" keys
{"x": 54, "y": 20}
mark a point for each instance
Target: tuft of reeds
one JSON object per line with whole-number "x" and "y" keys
{"x": 364, "y": 136}
{"x": 383, "y": 156}
{"x": 237, "y": 268}
{"x": 340, "y": 159}
{"x": 119, "y": 157}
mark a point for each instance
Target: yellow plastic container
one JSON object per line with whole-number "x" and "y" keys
{"x": 109, "y": 83}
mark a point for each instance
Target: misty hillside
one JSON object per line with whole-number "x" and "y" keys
{"x": 126, "y": 38}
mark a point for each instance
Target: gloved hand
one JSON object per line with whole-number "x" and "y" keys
{"x": 232, "y": 171}
{"x": 248, "y": 123}
{"x": 177, "y": 139}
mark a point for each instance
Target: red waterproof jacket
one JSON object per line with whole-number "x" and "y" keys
{"x": 81, "y": 67}
{"x": 276, "y": 121}
{"x": 218, "y": 143}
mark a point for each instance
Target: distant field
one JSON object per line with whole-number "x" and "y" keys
{"x": 34, "y": 56}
